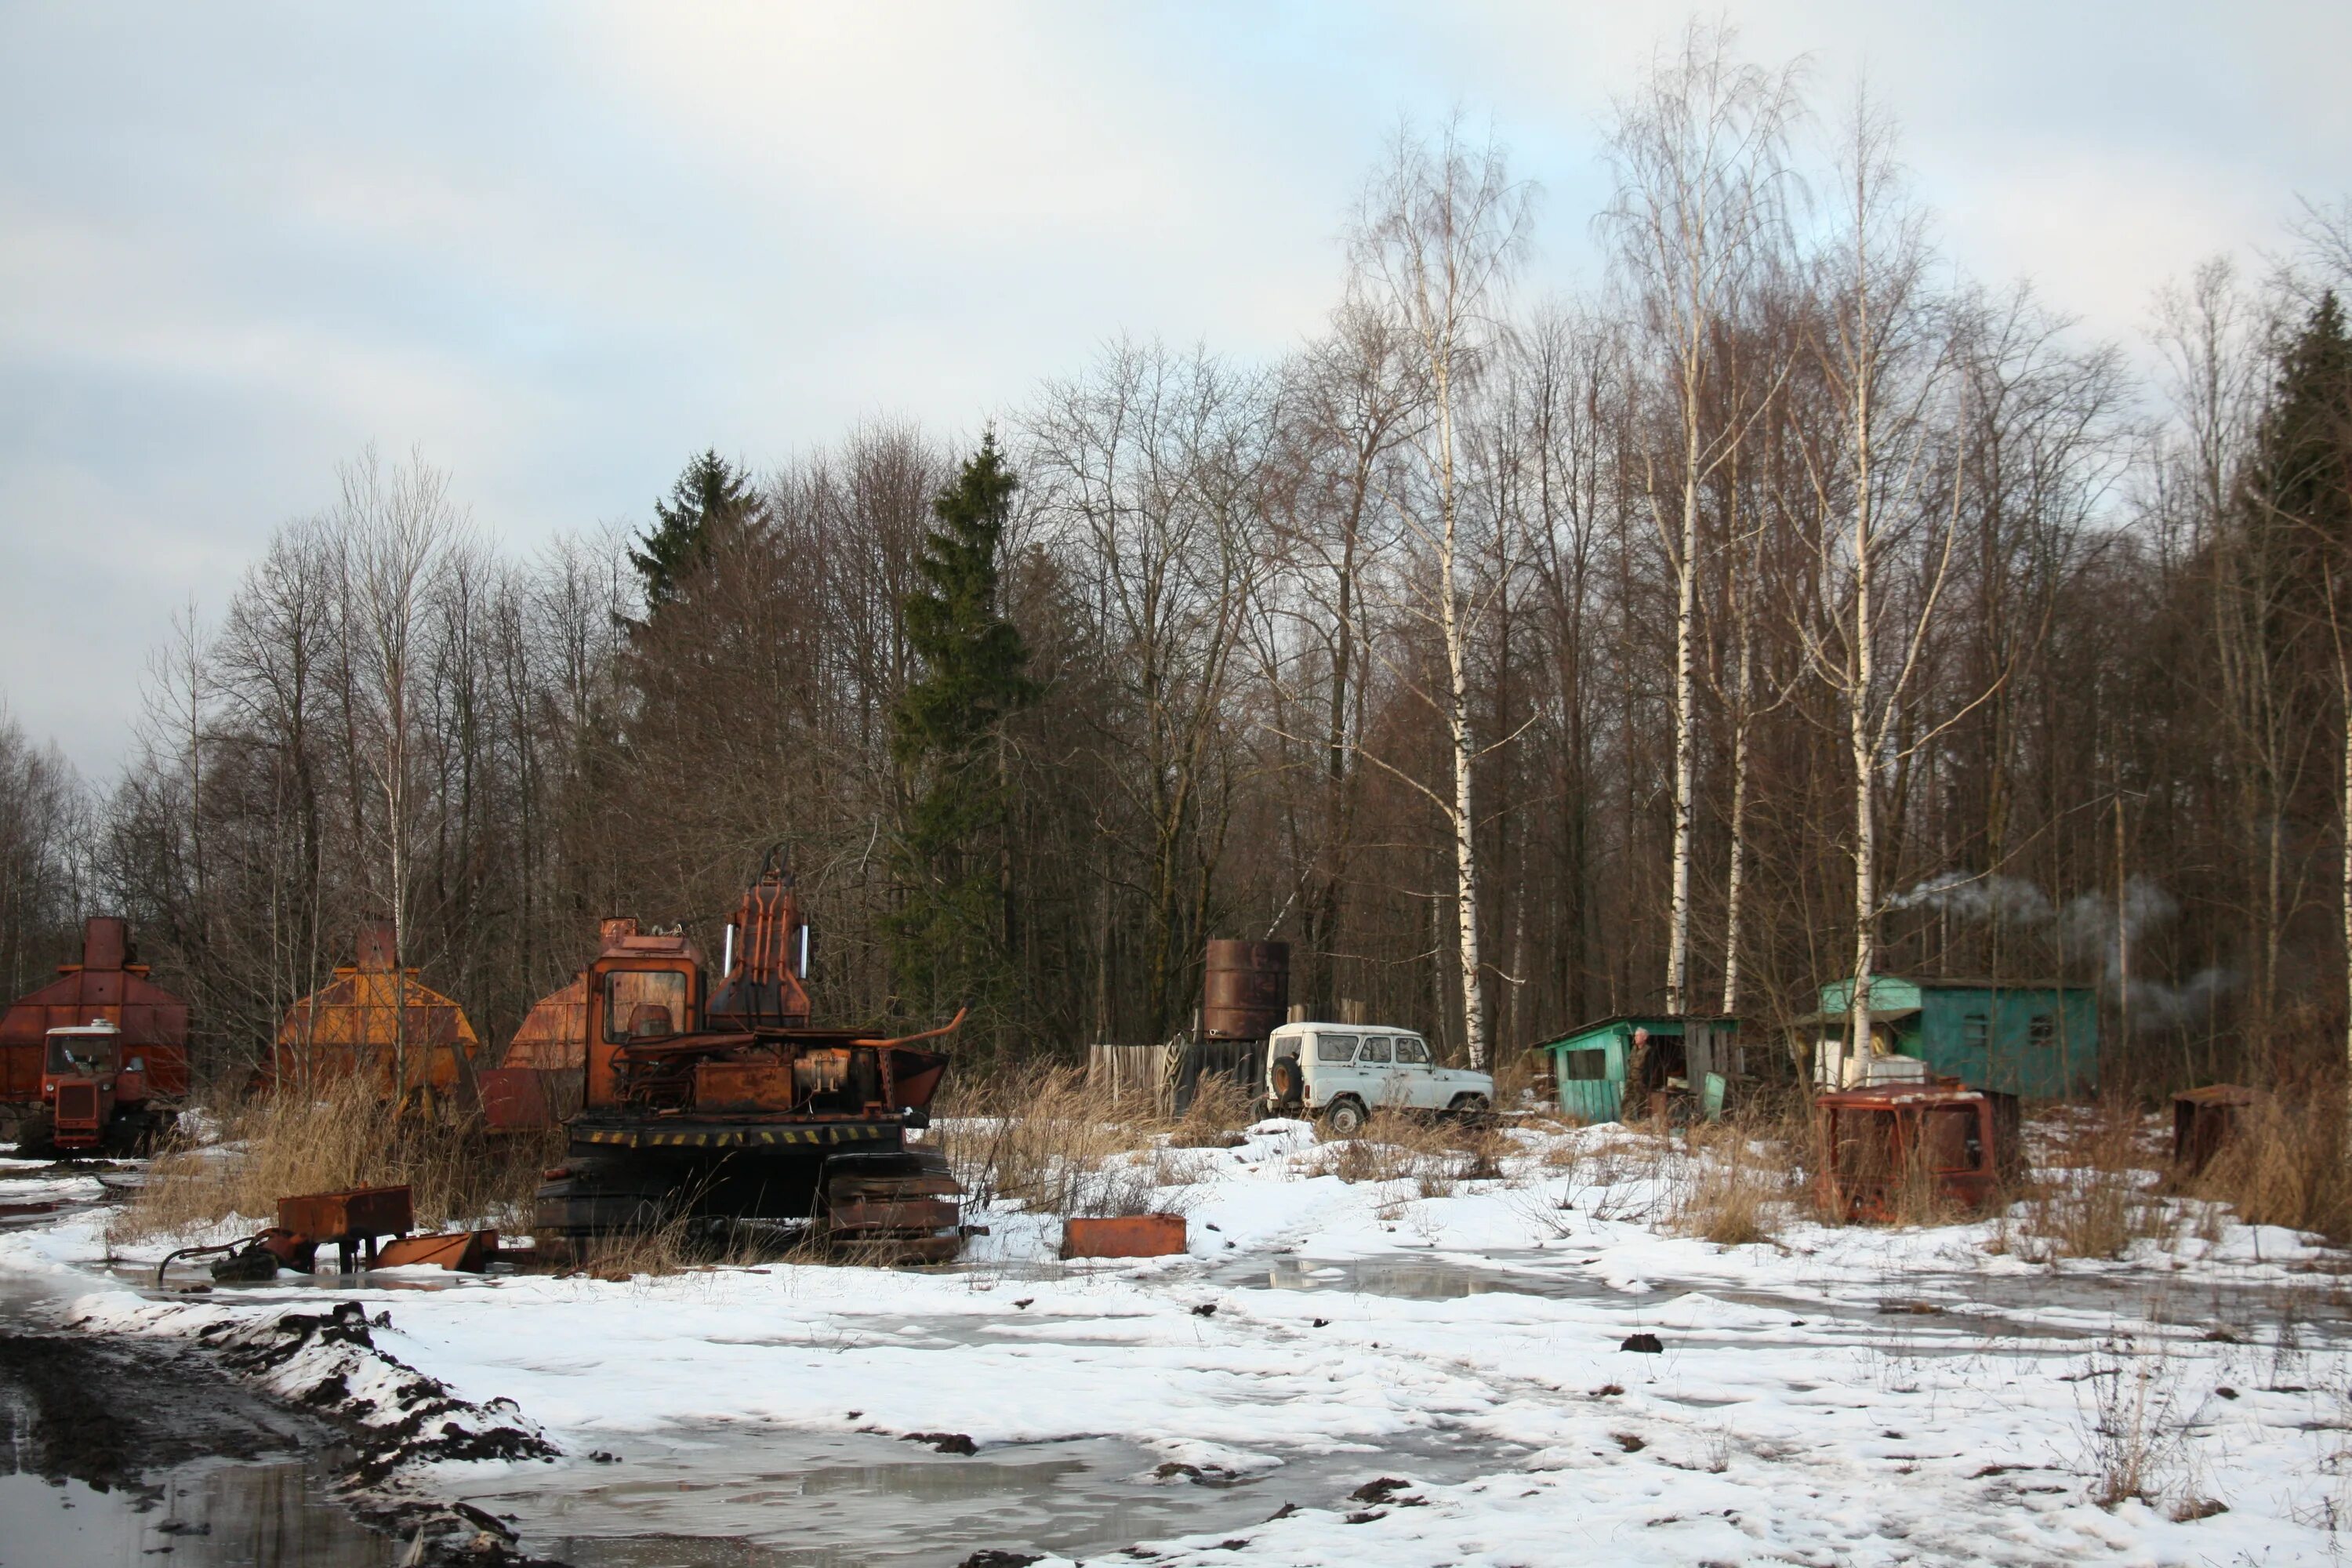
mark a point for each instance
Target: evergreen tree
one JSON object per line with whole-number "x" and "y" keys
{"x": 2301, "y": 479}
{"x": 711, "y": 496}
{"x": 947, "y": 941}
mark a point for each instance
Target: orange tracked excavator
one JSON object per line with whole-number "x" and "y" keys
{"x": 729, "y": 1109}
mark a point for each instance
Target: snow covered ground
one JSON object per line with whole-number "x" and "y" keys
{"x": 1404, "y": 1379}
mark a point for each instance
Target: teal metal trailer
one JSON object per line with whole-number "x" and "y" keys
{"x": 2033, "y": 1040}
{"x": 1592, "y": 1066}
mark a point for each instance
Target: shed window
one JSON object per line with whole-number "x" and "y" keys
{"x": 2043, "y": 1030}
{"x": 1976, "y": 1031}
{"x": 1584, "y": 1066}
{"x": 1334, "y": 1047}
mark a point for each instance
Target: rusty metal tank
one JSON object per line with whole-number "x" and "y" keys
{"x": 1247, "y": 992}
{"x": 110, "y": 985}
{"x": 354, "y": 1022}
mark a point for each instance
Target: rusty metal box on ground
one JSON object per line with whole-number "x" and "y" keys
{"x": 361, "y": 1212}
{"x": 1129, "y": 1235}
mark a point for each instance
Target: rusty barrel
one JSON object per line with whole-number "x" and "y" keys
{"x": 1247, "y": 992}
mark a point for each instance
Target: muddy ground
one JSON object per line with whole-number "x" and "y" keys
{"x": 108, "y": 1411}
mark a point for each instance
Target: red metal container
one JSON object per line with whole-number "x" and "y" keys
{"x": 360, "y": 1214}
{"x": 1129, "y": 1235}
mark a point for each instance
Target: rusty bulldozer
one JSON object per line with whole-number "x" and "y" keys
{"x": 728, "y": 1111}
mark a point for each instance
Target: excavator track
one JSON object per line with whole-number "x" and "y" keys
{"x": 895, "y": 1208}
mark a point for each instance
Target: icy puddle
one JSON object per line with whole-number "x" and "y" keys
{"x": 1928, "y": 1305}
{"x": 257, "y": 1515}
{"x": 713, "y": 1496}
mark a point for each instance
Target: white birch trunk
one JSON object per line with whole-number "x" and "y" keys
{"x": 1686, "y": 701}
{"x": 1862, "y": 670}
{"x": 1457, "y": 714}
{"x": 1735, "y": 874}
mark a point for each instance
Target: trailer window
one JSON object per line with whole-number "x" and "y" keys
{"x": 1413, "y": 1049}
{"x": 1585, "y": 1067}
{"x": 1334, "y": 1047}
{"x": 644, "y": 1005}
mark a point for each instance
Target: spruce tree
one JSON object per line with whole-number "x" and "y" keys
{"x": 2301, "y": 479}
{"x": 711, "y": 496}
{"x": 946, "y": 940}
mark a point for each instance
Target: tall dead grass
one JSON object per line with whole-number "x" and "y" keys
{"x": 1038, "y": 1136}
{"x": 284, "y": 1146}
{"x": 2090, "y": 1192}
{"x": 2284, "y": 1164}
{"x": 1742, "y": 1174}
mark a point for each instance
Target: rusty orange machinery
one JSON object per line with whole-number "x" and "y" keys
{"x": 725, "y": 1105}
{"x": 373, "y": 1015}
{"x": 540, "y": 1080}
{"x": 1888, "y": 1146}
{"x": 110, "y": 985}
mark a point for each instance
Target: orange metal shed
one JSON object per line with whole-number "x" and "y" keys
{"x": 355, "y": 1022}
{"x": 109, "y": 983}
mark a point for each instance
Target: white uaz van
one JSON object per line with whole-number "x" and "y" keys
{"x": 1343, "y": 1073}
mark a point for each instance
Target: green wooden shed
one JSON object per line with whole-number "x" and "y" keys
{"x": 2037, "y": 1040}
{"x": 1590, "y": 1065}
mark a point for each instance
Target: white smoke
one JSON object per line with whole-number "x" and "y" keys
{"x": 2007, "y": 898}
{"x": 2085, "y": 928}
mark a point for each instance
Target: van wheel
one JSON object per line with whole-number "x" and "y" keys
{"x": 1470, "y": 1107}
{"x": 1345, "y": 1119}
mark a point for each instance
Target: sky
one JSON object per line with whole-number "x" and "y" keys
{"x": 557, "y": 248}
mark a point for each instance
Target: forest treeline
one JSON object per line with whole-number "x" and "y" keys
{"x": 1783, "y": 603}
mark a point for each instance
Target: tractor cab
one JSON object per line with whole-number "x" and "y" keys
{"x": 84, "y": 1081}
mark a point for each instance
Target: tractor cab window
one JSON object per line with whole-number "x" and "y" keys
{"x": 1376, "y": 1049}
{"x": 1411, "y": 1050}
{"x": 1949, "y": 1140}
{"x": 1334, "y": 1047}
{"x": 644, "y": 1005}
{"x": 71, "y": 1054}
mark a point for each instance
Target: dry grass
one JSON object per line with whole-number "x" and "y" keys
{"x": 1742, "y": 1172}
{"x": 2089, "y": 1194}
{"x": 2284, "y": 1164}
{"x": 1037, "y": 1135}
{"x": 281, "y": 1146}
{"x": 1437, "y": 1155}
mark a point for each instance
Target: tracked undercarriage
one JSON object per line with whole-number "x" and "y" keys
{"x": 732, "y": 1118}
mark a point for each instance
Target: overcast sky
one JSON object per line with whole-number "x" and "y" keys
{"x": 559, "y": 247}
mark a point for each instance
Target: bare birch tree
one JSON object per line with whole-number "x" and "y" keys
{"x": 397, "y": 528}
{"x": 1435, "y": 238}
{"x": 1702, "y": 177}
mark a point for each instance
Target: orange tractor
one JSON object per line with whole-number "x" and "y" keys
{"x": 94, "y": 1100}
{"x": 719, "y": 1107}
